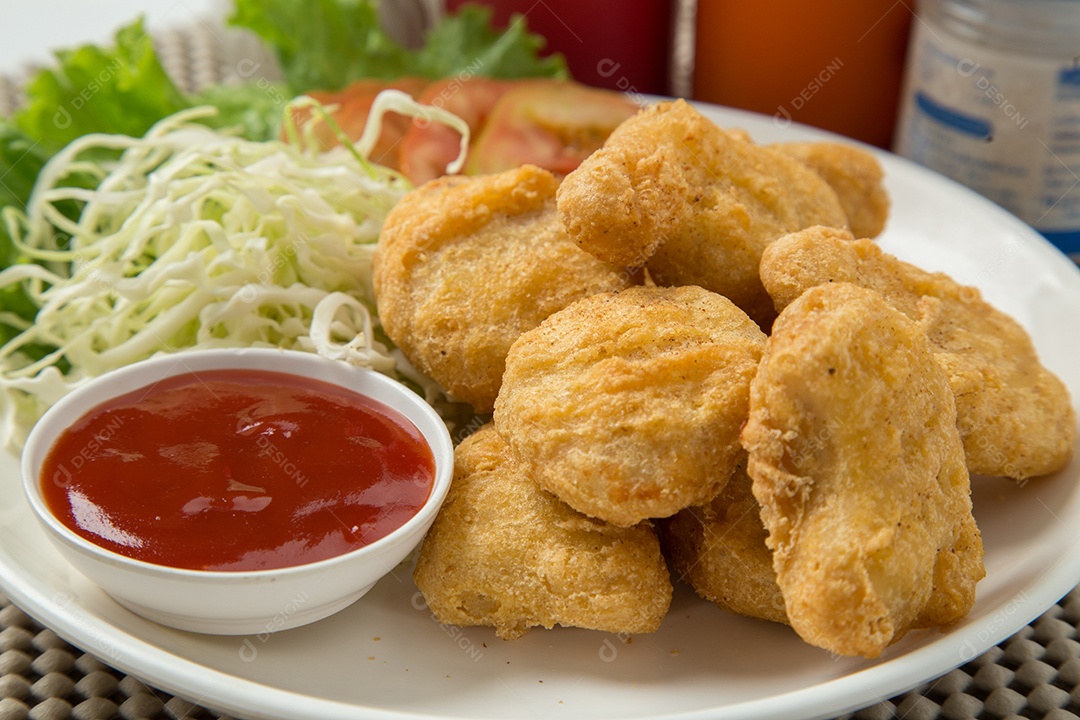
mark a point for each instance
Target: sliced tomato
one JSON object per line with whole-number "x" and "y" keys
{"x": 428, "y": 147}
{"x": 550, "y": 123}
{"x": 353, "y": 104}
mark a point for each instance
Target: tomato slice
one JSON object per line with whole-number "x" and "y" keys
{"x": 353, "y": 106}
{"x": 550, "y": 123}
{"x": 428, "y": 147}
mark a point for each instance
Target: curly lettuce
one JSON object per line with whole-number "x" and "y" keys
{"x": 326, "y": 44}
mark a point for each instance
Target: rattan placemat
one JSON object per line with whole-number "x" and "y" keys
{"x": 1034, "y": 674}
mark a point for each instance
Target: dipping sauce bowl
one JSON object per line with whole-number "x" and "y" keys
{"x": 237, "y": 491}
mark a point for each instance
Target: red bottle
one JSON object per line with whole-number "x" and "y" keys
{"x": 619, "y": 44}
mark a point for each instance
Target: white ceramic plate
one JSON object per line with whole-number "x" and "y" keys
{"x": 385, "y": 657}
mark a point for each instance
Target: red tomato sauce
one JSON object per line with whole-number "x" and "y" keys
{"x": 237, "y": 470}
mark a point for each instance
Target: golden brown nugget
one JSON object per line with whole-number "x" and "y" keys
{"x": 628, "y": 405}
{"x": 854, "y": 174}
{"x": 859, "y": 470}
{"x": 720, "y": 549}
{"x": 1015, "y": 416}
{"x": 502, "y": 552}
{"x": 465, "y": 265}
{"x": 697, "y": 203}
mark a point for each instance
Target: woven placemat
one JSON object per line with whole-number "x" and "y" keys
{"x": 42, "y": 677}
{"x": 1035, "y": 674}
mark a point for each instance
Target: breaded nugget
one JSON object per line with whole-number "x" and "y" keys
{"x": 1015, "y": 416}
{"x": 503, "y": 552}
{"x": 628, "y": 405}
{"x": 465, "y": 265}
{"x": 697, "y": 203}
{"x": 859, "y": 470}
{"x": 854, "y": 174}
{"x": 720, "y": 549}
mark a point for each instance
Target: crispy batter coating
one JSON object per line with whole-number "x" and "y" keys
{"x": 859, "y": 470}
{"x": 628, "y": 405}
{"x": 465, "y": 265}
{"x": 1015, "y": 416}
{"x": 505, "y": 553}
{"x": 854, "y": 174}
{"x": 720, "y": 549}
{"x": 696, "y": 202}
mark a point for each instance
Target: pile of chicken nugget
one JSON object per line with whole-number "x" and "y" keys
{"x": 697, "y": 364}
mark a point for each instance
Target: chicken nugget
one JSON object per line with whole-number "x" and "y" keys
{"x": 465, "y": 265}
{"x": 502, "y": 552}
{"x": 628, "y": 405}
{"x": 695, "y": 203}
{"x": 720, "y": 549}
{"x": 859, "y": 469}
{"x": 854, "y": 174}
{"x": 1015, "y": 416}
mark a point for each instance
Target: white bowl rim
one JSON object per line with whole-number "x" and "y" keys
{"x": 208, "y": 359}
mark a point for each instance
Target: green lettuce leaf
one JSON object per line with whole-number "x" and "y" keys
{"x": 121, "y": 89}
{"x": 21, "y": 159}
{"x": 324, "y": 44}
{"x": 256, "y": 110}
{"x": 467, "y": 43}
{"x": 327, "y": 44}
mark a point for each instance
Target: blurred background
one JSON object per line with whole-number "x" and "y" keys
{"x": 986, "y": 92}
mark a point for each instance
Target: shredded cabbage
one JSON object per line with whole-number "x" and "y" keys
{"x": 198, "y": 239}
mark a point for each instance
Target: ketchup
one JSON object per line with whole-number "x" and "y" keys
{"x": 237, "y": 470}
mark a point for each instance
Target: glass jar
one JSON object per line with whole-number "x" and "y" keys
{"x": 991, "y": 98}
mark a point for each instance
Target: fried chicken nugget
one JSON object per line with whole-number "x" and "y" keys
{"x": 465, "y": 265}
{"x": 720, "y": 550}
{"x": 859, "y": 469}
{"x": 1015, "y": 416}
{"x": 628, "y": 405}
{"x": 854, "y": 174}
{"x": 502, "y": 552}
{"x": 695, "y": 203}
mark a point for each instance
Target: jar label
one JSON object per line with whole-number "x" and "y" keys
{"x": 1004, "y": 124}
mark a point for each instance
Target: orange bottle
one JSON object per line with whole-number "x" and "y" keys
{"x": 833, "y": 64}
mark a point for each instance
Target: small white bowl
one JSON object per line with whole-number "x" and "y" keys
{"x": 244, "y": 602}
